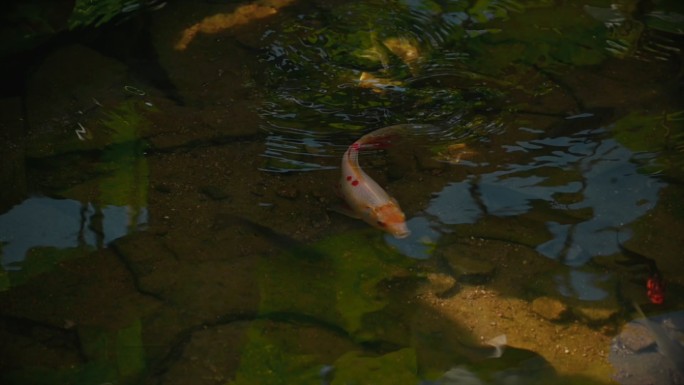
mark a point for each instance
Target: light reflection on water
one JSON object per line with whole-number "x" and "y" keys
{"x": 316, "y": 70}
{"x": 597, "y": 171}
{"x": 62, "y": 223}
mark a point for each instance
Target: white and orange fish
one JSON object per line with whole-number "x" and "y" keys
{"x": 365, "y": 198}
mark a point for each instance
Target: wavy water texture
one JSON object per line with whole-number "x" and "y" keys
{"x": 359, "y": 73}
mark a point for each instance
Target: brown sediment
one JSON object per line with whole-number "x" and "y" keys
{"x": 222, "y": 21}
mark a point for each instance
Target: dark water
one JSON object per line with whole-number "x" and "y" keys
{"x": 169, "y": 171}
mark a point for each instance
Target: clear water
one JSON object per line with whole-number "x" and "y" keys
{"x": 167, "y": 216}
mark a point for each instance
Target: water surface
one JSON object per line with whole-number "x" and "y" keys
{"x": 170, "y": 172}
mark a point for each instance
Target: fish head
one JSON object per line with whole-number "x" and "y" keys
{"x": 391, "y": 219}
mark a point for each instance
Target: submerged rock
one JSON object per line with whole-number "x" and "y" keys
{"x": 550, "y": 308}
{"x": 66, "y": 99}
{"x": 597, "y": 312}
{"x": 467, "y": 264}
{"x": 636, "y": 354}
{"x": 215, "y": 193}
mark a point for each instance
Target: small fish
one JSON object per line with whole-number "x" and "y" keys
{"x": 498, "y": 343}
{"x": 365, "y": 198}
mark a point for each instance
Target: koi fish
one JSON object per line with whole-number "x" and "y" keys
{"x": 365, "y": 198}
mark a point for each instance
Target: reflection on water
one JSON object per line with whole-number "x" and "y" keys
{"x": 286, "y": 153}
{"x": 583, "y": 285}
{"x": 597, "y": 175}
{"x": 62, "y": 223}
{"x": 341, "y": 70}
{"x": 629, "y": 37}
{"x": 248, "y": 278}
{"x": 586, "y": 184}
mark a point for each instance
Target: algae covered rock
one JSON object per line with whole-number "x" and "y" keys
{"x": 468, "y": 263}
{"x": 399, "y": 367}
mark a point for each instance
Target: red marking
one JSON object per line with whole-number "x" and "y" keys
{"x": 655, "y": 289}
{"x": 355, "y": 183}
{"x": 355, "y": 146}
{"x": 349, "y": 177}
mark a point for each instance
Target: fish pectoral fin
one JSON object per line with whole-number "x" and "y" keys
{"x": 499, "y": 343}
{"x": 344, "y": 209}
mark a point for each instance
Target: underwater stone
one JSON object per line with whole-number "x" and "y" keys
{"x": 438, "y": 284}
{"x": 597, "y": 313}
{"x": 70, "y": 87}
{"x": 215, "y": 193}
{"x": 550, "y": 308}
{"x": 636, "y": 337}
{"x": 143, "y": 253}
{"x": 467, "y": 269}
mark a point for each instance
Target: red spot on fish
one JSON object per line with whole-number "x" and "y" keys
{"x": 349, "y": 177}
{"x": 655, "y": 289}
{"x": 355, "y": 183}
{"x": 356, "y": 146}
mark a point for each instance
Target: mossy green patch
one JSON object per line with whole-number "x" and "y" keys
{"x": 339, "y": 286}
{"x": 113, "y": 357}
{"x": 546, "y": 37}
{"x": 641, "y": 132}
{"x": 275, "y": 360}
{"x": 398, "y": 367}
{"x": 88, "y": 13}
{"x": 117, "y": 354}
{"x": 122, "y": 173}
{"x": 122, "y": 123}
{"x": 659, "y": 134}
{"x": 335, "y": 284}
{"x": 41, "y": 260}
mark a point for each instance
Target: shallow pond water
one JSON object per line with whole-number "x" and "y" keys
{"x": 169, "y": 213}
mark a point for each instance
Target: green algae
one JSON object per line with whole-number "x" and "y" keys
{"x": 277, "y": 360}
{"x": 114, "y": 356}
{"x": 339, "y": 284}
{"x": 117, "y": 354}
{"x": 41, "y": 260}
{"x": 340, "y": 287}
{"x": 661, "y": 135}
{"x": 96, "y": 13}
{"x": 398, "y": 367}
